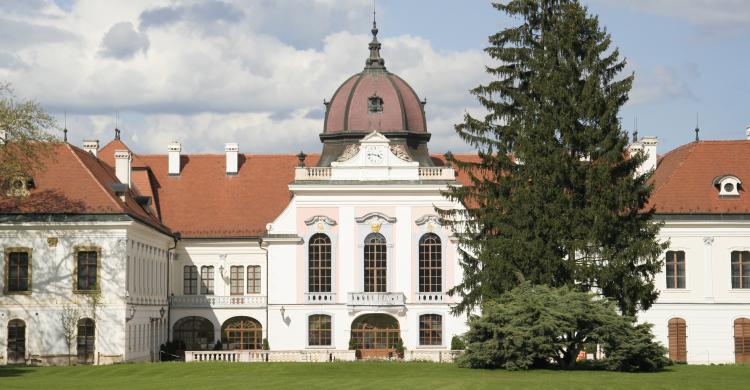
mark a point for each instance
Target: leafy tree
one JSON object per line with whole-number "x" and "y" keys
{"x": 69, "y": 322}
{"x": 24, "y": 134}
{"x": 538, "y": 326}
{"x": 555, "y": 198}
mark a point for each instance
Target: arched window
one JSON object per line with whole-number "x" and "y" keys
{"x": 430, "y": 329}
{"x": 16, "y": 342}
{"x": 376, "y": 264}
{"x": 742, "y": 340}
{"x": 242, "y": 333}
{"x": 319, "y": 263}
{"x": 319, "y": 329}
{"x": 740, "y": 269}
{"x": 430, "y": 263}
{"x": 197, "y": 333}
{"x": 86, "y": 340}
{"x": 677, "y": 340}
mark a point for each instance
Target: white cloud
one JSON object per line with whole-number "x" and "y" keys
{"x": 222, "y": 76}
{"x": 715, "y": 14}
{"x": 663, "y": 83}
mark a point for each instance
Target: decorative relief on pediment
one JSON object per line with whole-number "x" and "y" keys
{"x": 400, "y": 152}
{"x": 320, "y": 220}
{"x": 350, "y": 151}
{"x": 429, "y": 221}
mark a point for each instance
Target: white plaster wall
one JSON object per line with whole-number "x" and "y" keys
{"x": 52, "y": 285}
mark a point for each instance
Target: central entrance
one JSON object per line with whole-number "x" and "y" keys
{"x": 375, "y": 336}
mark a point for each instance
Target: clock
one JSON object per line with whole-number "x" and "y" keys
{"x": 375, "y": 155}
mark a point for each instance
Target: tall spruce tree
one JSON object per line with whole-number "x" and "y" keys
{"x": 555, "y": 198}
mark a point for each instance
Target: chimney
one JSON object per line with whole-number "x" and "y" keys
{"x": 747, "y": 132}
{"x": 649, "y": 149}
{"x": 232, "y": 150}
{"x": 122, "y": 166}
{"x": 91, "y": 146}
{"x": 174, "y": 158}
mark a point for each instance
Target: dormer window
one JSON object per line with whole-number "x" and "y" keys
{"x": 20, "y": 186}
{"x": 728, "y": 185}
{"x": 375, "y": 104}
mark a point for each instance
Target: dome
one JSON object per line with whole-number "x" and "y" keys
{"x": 374, "y": 99}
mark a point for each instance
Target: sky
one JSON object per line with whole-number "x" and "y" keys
{"x": 256, "y": 72}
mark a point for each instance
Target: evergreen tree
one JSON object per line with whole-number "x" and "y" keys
{"x": 555, "y": 198}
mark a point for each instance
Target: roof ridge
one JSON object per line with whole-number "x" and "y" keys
{"x": 91, "y": 174}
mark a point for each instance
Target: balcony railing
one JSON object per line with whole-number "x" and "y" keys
{"x": 430, "y": 297}
{"x": 320, "y": 297}
{"x": 376, "y": 299}
{"x": 325, "y": 173}
{"x": 218, "y": 301}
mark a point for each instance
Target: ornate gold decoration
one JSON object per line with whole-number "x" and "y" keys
{"x": 52, "y": 241}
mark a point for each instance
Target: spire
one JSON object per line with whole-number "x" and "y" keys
{"x": 65, "y": 128}
{"x": 635, "y": 131}
{"x": 374, "y": 61}
{"x": 697, "y": 128}
{"x": 117, "y": 133}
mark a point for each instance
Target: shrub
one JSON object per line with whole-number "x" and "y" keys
{"x": 265, "y": 346}
{"x": 457, "y": 343}
{"x": 218, "y": 346}
{"x": 538, "y": 326}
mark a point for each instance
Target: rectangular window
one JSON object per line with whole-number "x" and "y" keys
{"x": 18, "y": 271}
{"x": 190, "y": 280}
{"x": 740, "y": 269}
{"x": 675, "y": 269}
{"x": 207, "y": 280}
{"x": 237, "y": 280}
{"x": 430, "y": 329}
{"x": 253, "y": 279}
{"x": 319, "y": 330}
{"x": 86, "y": 270}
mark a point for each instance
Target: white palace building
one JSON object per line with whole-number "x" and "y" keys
{"x": 340, "y": 255}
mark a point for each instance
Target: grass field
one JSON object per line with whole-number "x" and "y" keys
{"x": 364, "y": 375}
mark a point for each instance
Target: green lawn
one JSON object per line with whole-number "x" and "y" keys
{"x": 375, "y": 375}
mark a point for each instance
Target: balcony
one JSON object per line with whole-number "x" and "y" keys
{"x": 376, "y": 299}
{"x": 326, "y": 174}
{"x": 430, "y": 297}
{"x": 320, "y": 297}
{"x": 218, "y": 301}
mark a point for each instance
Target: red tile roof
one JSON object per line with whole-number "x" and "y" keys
{"x": 683, "y": 181}
{"x": 203, "y": 201}
{"x": 75, "y": 182}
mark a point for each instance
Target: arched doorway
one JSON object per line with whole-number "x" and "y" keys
{"x": 742, "y": 340}
{"x": 16, "y": 342}
{"x": 196, "y": 333}
{"x": 375, "y": 336}
{"x": 242, "y": 333}
{"x": 85, "y": 340}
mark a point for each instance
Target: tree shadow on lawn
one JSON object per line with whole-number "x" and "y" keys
{"x": 12, "y": 371}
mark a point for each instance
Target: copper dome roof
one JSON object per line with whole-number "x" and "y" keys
{"x": 396, "y": 108}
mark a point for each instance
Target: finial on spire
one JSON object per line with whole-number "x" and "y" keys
{"x": 697, "y": 128}
{"x": 65, "y": 126}
{"x": 117, "y": 119}
{"x": 374, "y": 22}
{"x": 374, "y": 61}
{"x": 635, "y": 130}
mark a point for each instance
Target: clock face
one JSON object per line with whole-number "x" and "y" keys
{"x": 375, "y": 155}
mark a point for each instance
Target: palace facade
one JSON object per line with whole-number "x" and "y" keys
{"x": 336, "y": 255}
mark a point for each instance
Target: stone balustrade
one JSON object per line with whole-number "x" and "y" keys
{"x": 320, "y": 297}
{"x": 430, "y": 297}
{"x": 375, "y": 299}
{"x": 217, "y": 301}
{"x": 313, "y": 356}
{"x": 325, "y": 173}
